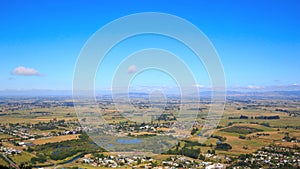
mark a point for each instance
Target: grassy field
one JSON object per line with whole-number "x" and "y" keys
{"x": 54, "y": 139}
{"x": 255, "y": 136}
{"x": 255, "y": 142}
{"x": 21, "y": 158}
{"x": 231, "y": 111}
{"x": 24, "y": 116}
{"x": 3, "y": 162}
{"x": 241, "y": 130}
{"x": 4, "y": 136}
{"x": 34, "y": 120}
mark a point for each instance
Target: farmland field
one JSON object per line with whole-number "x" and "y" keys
{"x": 55, "y": 139}
{"x": 47, "y": 135}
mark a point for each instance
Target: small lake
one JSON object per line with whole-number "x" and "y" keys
{"x": 62, "y": 148}
{"x": 73, "y": 159}
{"x": 129, "y": 141}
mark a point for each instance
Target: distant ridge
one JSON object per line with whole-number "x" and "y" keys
{"x": 31, "y": 93}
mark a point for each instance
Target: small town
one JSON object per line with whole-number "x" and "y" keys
{"x": 152, "y": 84}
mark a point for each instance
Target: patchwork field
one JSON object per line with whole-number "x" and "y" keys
{"x": 54, "y": 139}
{"x": 245, "y": 127}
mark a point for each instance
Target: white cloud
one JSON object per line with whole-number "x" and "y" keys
{"x": 253, "y": 87}
{"x": 132, "y": 69}
{"x": 199, "y": 86}
{"x": 23, "y": 71}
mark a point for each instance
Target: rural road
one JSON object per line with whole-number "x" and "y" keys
{"x": 11, "y": 163}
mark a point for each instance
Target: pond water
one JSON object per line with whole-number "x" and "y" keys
{"x": 129, "y": 141}
{"x": 73, "y": 159}
{"x": 61, "y": 148}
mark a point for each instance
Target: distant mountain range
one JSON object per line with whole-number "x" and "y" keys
{"x": 35, "y": 93}
{"x": 294, "y": 93}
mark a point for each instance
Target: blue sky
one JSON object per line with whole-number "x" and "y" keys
{"x": 258, "y": 41}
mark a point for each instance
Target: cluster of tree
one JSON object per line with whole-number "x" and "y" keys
{"x": 241, "y": 130}
{"x": 62, "y": 154}
{"x": 39, "y": 159}
{"x": 256, "y": 117}
{"x": 187, "y": 150}
{"x": 282, "y": 110}
{"x": 25, "y": 166}
{"x": 219, "y": 137}
{"x": 211, "y": 151}
{"x": 200, "y": 109}
{"x": 289, "y": 139}
{"x": 233, "y": 117}
{"x": 267, "y": 117}
{"x": 44, "y": 126}
{"x": 166, "y": 117}
{"x": 218, "y": 127}
{"x": 244, "y": 117}
{"x": 62, "y": 123}
{"x": 262, "y": 134}
{"x": 44, "y": 113}
{"x": 194, "y": 130}
{"x": 193, "y": 153}
{"x": 64, "y": 149}
{"x": 242, "y": 137}
{"x": 223, "y": 146}
{"x": 241, "y": 117}
{"x": 189, "y": 143}
{"x": 4, "y": 167}
{"x": 231, "y": 123}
